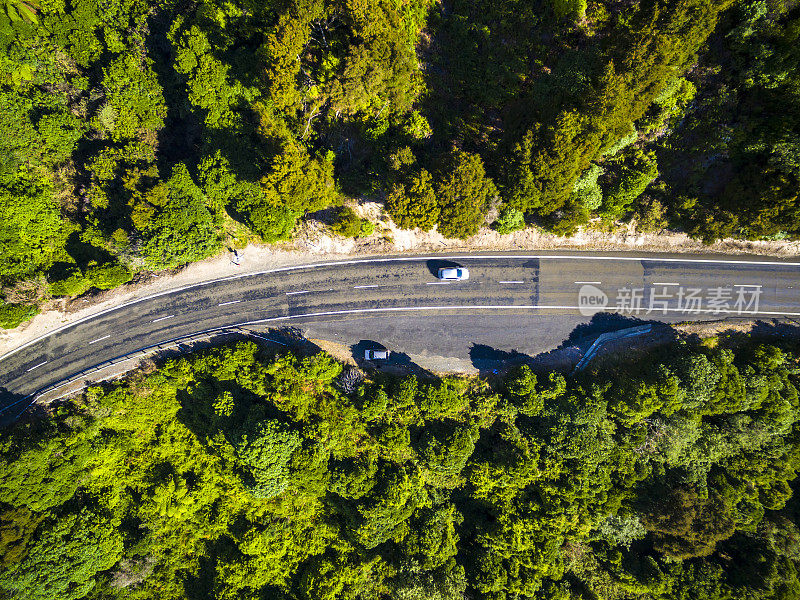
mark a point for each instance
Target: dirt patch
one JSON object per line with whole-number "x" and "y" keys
{"x": 316, "y": 238}
{"x": 709, "y": 329}
{"x": 766, "y": 329}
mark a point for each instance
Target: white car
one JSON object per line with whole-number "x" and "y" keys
{"x": 453, "y": 274}
{"x": 376, "y": 354}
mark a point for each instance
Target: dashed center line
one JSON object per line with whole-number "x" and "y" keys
{"x": 229, "y": 302}
{"x": 510, "y": 282}
{"x": 162, "y": 318}
{"x": 300, "y": 292}
{"x": 438, "y": 283}
{"x": 588, "y": 282}
{"x": 751, "y": 285}
{"x": 100, "y": 338}
{"x": 361, "y": 287}
{"x": 36, "y": 366}
{"x": 661, "y": 283}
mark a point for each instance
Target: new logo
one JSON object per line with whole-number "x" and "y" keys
{"x": 591, "y": 300}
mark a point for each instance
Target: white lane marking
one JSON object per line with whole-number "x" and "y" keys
{"x": 309, "y": 292}
{"x": 503, "y": 307}
{"x": 510, "y": 282}
{"x": 659, "y": 283}
{"x": 36, "y": 366}
{"x": 750, "y": 285}
{"x": 100, "y": 338}
{"x": 438, "y": 283}
{"x": 588, "y": 282}
{"x": 401, "y": 259}
{"x": 361, "y": 287}
{"x": 229, "y": 302}
{"x": 162, "y": 318}
{"x": 399, "y": 309}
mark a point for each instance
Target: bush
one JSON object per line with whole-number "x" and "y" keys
{"x": 510, "y": 219}
{"x": 367, "y": 228}
{"x": 175, "y": 223}
{"x": 633, "y": 181}
{"x": 650, "y": 214}
{"x": 272, "y": 222}
{"x": 12, "y": 315}
{"x": 104, "y": 277}
{"x": 623, "y": 142}
{"x": 586, "y": 190}
{"x": 74, "y": 284}
{"x": 108, "y": 275}
{"x": 349, "y": 224}
{"x": 575, "y": 9}
{"x": 465, "y": 193}
{"x": 414, "y": 204}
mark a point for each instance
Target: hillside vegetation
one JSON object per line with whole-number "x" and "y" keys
{"x": 149, "y": 134}
{"x": 234, "y": 474}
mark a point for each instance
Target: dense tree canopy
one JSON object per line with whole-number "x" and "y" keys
{"x": 155, "y": 132}
{"x": 32, "y": 232}
{"x": 237, "y": 473}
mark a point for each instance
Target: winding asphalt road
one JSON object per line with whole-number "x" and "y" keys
{"x": 525, "y": 302}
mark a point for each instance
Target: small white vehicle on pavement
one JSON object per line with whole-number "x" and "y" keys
{"x": 453, "y": 274}
{"x": 376, "y": 354}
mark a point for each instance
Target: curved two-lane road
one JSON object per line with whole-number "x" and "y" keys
{"x": 512, "y": 297}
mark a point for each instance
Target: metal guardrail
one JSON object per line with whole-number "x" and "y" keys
{"x": 609, "y": 337}
{"x": 136, "y": 354}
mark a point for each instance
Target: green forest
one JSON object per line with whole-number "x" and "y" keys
{"x": 240, "y": 473}
{"x": 144, "y": 135}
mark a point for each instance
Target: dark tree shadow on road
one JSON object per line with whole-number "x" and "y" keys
{"x": 491, "y": 360}
{"x": 777, "y": 329}
{"x": 291, "y": 338}
{"x": 11, "y": 405}
{"x": 603, "y": 322}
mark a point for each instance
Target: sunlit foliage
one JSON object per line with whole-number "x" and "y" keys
{"x": 237, "y": 473}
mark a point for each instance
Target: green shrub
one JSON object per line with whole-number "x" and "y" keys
{"x": 71, "y": 283}
{"x": 349, "y": 224}
{"x": 108, "y": 275}
{"x": 175, "y": 222}
{"x": 575, "y": 9}
{"x": 623, "y": 142}
{"x": 586, "y": 190}
{"x": 651, "y": 215}
{"x": 465, "y": 194}
{"x": 271, "y": 221}
{"x": 414, "y": 204}
{"x": 367, "y": 228}
{"x": 104, "y": 277}
{"x": 669, "y": 105}
{"x": 633, "y": 181}
{"x": 12, "y": 315}
{"x": 510, "y": 219}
